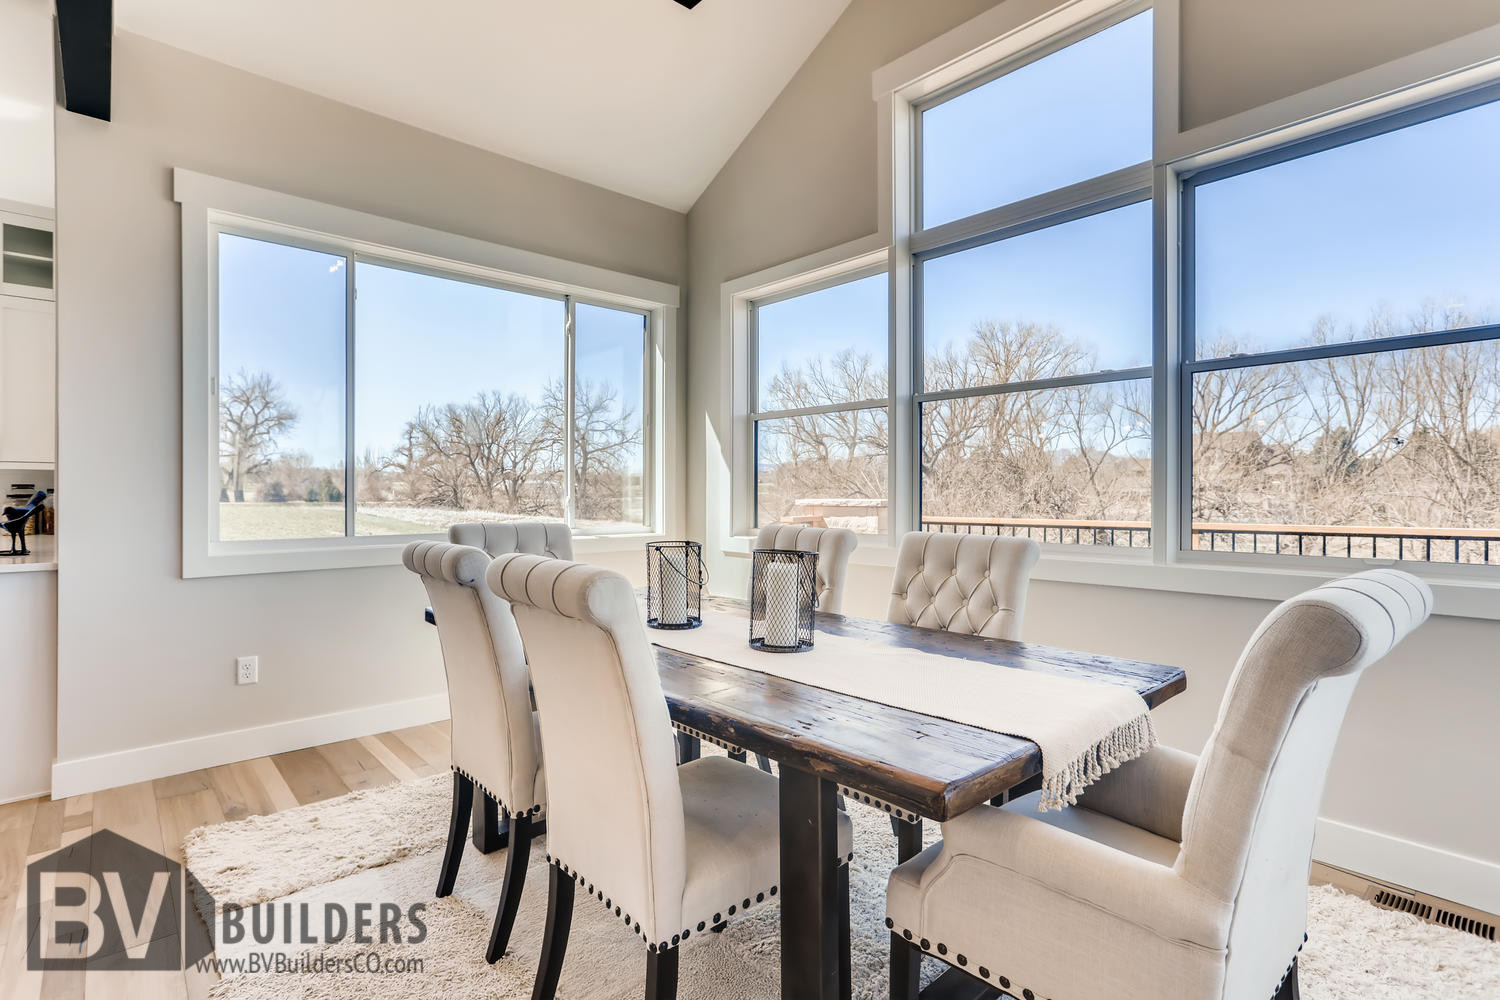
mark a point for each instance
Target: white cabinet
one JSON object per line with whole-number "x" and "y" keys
{"x": 28, "y": 382}
{"x": 27, "y": 257}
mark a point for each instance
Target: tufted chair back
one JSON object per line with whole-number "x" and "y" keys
{"x": 975, "y": 584}
{"x": 614, "y": 809}
{"x": 833, "y": 546}
{"x": 1251, "y": 810}
{"x": 498, "y": 538}
{"x": 489, "y": 701}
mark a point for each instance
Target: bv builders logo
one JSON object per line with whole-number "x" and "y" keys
{"x": 105, "y": 902}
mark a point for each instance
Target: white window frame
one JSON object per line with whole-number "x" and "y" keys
{"x": 1011, "y": 32}
{"x": 212, "y": 205}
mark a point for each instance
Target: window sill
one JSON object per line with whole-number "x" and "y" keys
{"x": 1456, "y": 596}
{"x": 240, "y": 559}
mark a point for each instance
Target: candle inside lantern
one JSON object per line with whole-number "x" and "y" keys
{"x": 671, "y": 583}
{"x": 781, "y": 603}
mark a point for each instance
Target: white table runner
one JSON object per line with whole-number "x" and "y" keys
{"x": 1085, "y": 728}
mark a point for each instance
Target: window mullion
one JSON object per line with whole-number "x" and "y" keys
{"x": 351, "y": 295}
{"x": 569, "y": 430}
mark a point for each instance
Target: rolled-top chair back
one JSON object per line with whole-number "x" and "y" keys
{"x": 498, "y": 538}
{"x": 1253, "y": 805}
{"x": 489, "y": 701}
{"x": 833, "y": 546}
{"x": 614, "y": 810}
{"x": 975, "y": 584}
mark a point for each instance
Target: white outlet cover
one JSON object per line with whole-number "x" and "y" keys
{"x": 247, "y": 670}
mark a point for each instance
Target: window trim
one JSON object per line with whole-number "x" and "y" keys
{"x": 210, "y": 205}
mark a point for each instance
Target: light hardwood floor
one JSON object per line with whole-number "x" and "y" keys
{"x": 158, "y": 814}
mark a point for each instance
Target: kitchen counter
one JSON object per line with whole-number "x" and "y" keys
{"x": 43, "y": 557}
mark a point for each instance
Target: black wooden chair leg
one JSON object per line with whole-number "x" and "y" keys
{"x": 661, "y": 975}
{"x": 846, "y": 969}
{"x": 555, "y": 936}
{"x": 763, "y": 762}
{"x": 511, "y": 888}
{"x": 908, "y": 839}
{"x": 458, "y": 823}
{"x": 906, "y": 969}
{"x": 490, "y": 830}
{"x": 1289, "y": 988}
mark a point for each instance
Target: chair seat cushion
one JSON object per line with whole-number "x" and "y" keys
{"x": 732, "y": 813}
{"x": 1013, "y": 891}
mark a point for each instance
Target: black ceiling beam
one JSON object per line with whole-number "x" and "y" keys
{"x": 689, "y": 4}
{"x": 85, "y": 37}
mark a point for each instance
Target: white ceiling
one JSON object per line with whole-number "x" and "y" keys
{"x": 26, "y": 98}
{"x": 643, "y": 97}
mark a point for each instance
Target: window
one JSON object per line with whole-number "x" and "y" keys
{"x": 1343, "y": 308}
{"x": 822, "y": 392}
{"x": 361, "y": 396}
{"x": 1035, "y": 315}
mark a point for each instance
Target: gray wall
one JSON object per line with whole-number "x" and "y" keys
{"x": 145, "y": 657}
{"x": 805, "y": 180}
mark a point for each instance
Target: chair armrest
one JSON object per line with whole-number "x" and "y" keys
{"x": 1150, "y": 792}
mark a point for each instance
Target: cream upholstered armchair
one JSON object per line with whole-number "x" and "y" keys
{"x": 1174, "y": 876}
{"x": 973, "y": 584}
{"x": 498, "y": 538}
{"x": 495, "y": 748}
{"x": 670, "y": 851}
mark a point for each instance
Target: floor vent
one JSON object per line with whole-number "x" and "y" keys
{"x": 1419, "y": 904}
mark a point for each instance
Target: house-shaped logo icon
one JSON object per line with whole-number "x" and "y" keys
{"x": 106, "y": 902}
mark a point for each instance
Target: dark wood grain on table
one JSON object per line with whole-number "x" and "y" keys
{"x": 930, "y": 766}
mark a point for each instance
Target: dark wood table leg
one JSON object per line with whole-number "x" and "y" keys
{"x": 491, "y": 830}
{"x": 809, "y": 887}
{"x": 689, "y": 748}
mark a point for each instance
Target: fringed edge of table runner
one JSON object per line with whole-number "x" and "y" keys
{"x": 1124, "y": 744}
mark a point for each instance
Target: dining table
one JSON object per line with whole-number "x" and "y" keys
{"x": 904, "y": 762}
{"x": 899, "y": 760}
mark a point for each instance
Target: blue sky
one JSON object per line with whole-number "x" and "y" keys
{"x": 1389, "y": 223}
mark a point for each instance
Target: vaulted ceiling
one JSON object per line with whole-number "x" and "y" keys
{"x": 644, "y": 97}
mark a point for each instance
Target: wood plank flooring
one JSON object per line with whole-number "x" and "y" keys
{"x": 158, "y": 814}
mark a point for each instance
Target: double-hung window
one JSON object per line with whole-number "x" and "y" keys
{"x": 820, "y": 405}
{"x": 1341, "y": 343}
{"x": 1032, "y": 285}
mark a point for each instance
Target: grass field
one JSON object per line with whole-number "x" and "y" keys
{"x": 243, "y": 522}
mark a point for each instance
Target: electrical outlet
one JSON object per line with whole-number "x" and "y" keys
{"x": 247, "y": 670}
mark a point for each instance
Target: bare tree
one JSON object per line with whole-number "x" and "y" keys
{"x": 253, "y": 414}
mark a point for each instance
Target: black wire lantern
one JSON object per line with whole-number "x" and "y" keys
{"x": 783, "y": 596}
{"x": 674, "y": 584}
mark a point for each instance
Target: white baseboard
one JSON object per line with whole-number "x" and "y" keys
{"x": 160, "y": 760}
{"x": 1457, "y": 877}
{"x": 22, "y": 798}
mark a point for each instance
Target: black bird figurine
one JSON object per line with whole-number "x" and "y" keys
{"x": 15, "y": 519}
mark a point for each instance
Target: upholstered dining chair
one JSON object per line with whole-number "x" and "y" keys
{"x": 1175, "y": 876}
{"x": 669, "y": 850}
{"x": 495, "y": 748}
{"x": 545, "y": 538}
{"x": 498, "y": 538}
{"x": 973, "y": 584}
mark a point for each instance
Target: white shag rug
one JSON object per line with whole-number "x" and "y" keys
{"x": 384, "y": 845}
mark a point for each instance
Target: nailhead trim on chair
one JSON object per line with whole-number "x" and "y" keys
{"x": 1282, "y": 981}
{"x": 651, "y": 946}
{"x": 690, "y": 731}
{"x": 1026, "y": 994}
{"x": 941, "y": 952}
{"x": 536, "y": 809}
{"x": 870, "y": 800}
